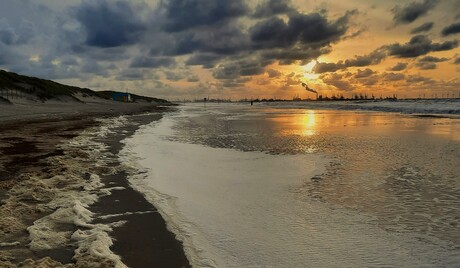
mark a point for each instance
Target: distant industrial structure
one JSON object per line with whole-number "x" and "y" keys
{"x": 123, "y": 97}
{"x": 307, "y": 88}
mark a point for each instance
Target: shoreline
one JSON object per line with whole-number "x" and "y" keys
{"x": 144, "y": 240}
{"x": 29, "y": 145}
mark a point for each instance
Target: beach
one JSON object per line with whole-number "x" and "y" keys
{"x": 63, "y": 189}
{"x": 213, "y": 133}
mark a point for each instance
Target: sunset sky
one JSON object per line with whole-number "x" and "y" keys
{"x": 235, "y": 49}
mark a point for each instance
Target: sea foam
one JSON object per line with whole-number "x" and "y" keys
{"x": 64, "y": 194}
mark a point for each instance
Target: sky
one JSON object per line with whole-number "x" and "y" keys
{"x": 190, "y": 49}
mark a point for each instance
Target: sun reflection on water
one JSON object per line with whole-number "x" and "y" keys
{"x": 309, "y": 123}
{"x": 303, "y": 124}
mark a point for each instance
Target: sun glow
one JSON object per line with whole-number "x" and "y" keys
{"x": 35, "y": 58}
{"x": 308, "y": 71}
{"x": 311, "y": 76}
{"x": 309, "y": 66}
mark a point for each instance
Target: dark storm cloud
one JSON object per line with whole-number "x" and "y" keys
{"x": 152, "y": 62}
{"x": 113, "y": 54}
{"x": 359, "y": 61}
{"x": 252, "y": 68}
{"x": 20, "y": 34}
{"x": 94, "y": 67}
{"x": 131, "y": 75}
{"x": 185, "y": 14}
{"x": 289, "y": 56}
{"x": 422, "y": 28}
{"x": 221, "y": 39}
{"x": 45, "y": 71}
{"x": 393, "y": 76}
{"x": 110, "y": 23}
{"x": 412, "y": 11}
{"x": 272, "y": 31}
{"x": 432, "y": 59}
{"x": 26, "y": 32}
{"x": 367, "y": 78}
{"x": 326, "y": 67}
{"x": 364, "y": 73}
{"x": 369, "y": 81}
{"x": 193, "y": 78}
{"x": 173, "y": 75}
{"x": 68, "y": 60}
{"x": 272, "y": 73}
{"x": 303, "y": 37}
{"x": 419, "y": 79}
{"x": 6, "y": 55}
{"x": 237, "y": 82}
{"x": 7, "y": 34}
{"x": 178, "y": 44}
{"x": 337, "y": 80}
{"x": 207, "y": 60}
{"x": 209, "y": 32}
{"x": 423, "y": 65}
{"x": 291, "y": 79}
{"x": 224, "y": 40}
{"x": 243, "y": 67}
{"x": 270, "y": 8}
{"x": 451, "y": 29}
{"x": 429, "y": 62}
{"x": 371, "y": 59}
{"x": 312, "y": 29}
{"x": 226, "y": 72}
{"x": 399, "y": 66}
{"x": 419, "y": 45}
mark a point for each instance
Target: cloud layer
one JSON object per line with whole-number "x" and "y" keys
{"x": 183, "y": 47}
{"x": 412, "y": 11}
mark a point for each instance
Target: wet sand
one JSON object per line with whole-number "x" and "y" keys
{"x": 25, "y": 148}
{"x": 144, "y": 240}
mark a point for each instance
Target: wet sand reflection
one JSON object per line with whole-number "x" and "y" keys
{"x": 401, "y": 169}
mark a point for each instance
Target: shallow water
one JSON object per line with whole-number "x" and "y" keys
{"x": 274, "y": 186}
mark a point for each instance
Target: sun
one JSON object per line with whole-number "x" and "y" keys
{"x": 309, "y": 66}
{"x": 308, "y": 70}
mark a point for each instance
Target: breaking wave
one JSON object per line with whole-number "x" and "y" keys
{"x": 60, "y": 198}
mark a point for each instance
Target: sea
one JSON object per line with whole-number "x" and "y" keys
{"x": 305, "y": 184}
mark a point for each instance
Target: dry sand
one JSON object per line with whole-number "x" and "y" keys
{"x": 30, "y": 108}
{"x": 35, "y": 173}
